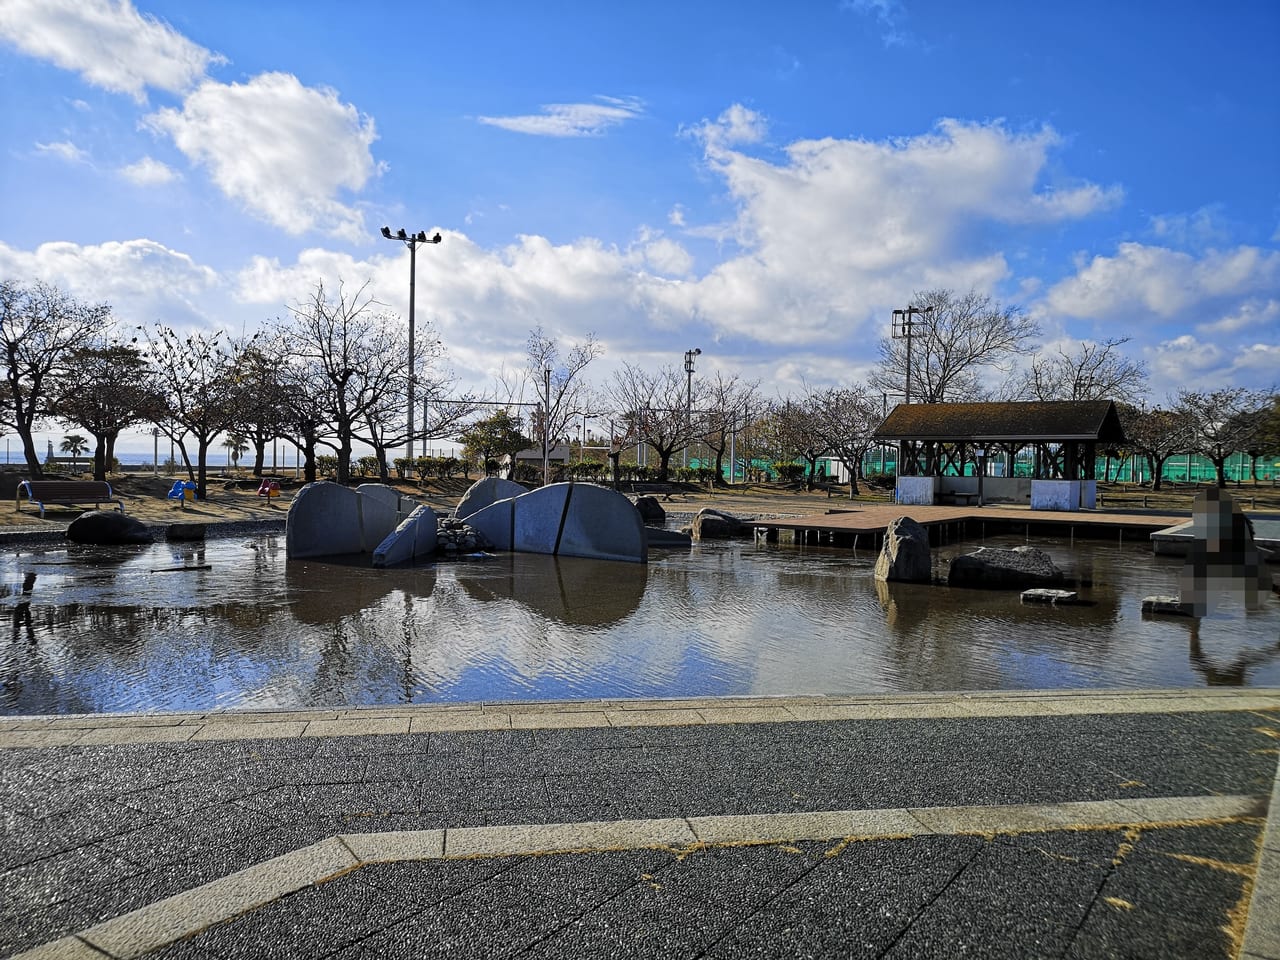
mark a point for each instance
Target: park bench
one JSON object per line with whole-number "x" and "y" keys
{"x": 958, "y": 498}
{"x": 65, "y": 493}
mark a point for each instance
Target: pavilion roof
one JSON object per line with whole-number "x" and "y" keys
{"x": 1032, "y": 421}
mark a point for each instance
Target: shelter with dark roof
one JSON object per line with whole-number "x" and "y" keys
{"x": 956, "y": 445}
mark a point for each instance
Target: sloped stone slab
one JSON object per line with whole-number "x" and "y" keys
{"x": 413, "y": 539}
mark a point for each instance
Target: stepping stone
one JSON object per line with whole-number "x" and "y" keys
{"x": 1048, "y": 595}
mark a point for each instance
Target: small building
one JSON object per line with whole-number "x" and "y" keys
{"x": 964, "y": 452}
{"x": 557, "y": 456}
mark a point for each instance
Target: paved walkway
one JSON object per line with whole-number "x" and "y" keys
{"x": 1011, "y": 825}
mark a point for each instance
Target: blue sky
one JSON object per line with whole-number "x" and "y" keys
{"x": 763, "y": 181}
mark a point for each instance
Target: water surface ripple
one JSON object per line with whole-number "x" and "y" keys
{"x": 149, "y": 629}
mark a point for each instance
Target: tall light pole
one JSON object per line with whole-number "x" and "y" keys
{"x": 688, "y": 396}
{"x": 411, "y": 240}
{"x": 902, "y": 330}
{"x": 546, "y": 424}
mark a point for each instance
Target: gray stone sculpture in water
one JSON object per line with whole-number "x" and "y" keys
{"x": 413, "y": 539}
{"x": 1223, "y": 560}
{"x": 485, "y": 491}
{"x": 905, "y": 554}
{"x": 568, "y": 520}
{"x": 328, "y": 519}
{"x": 995, "y": 568}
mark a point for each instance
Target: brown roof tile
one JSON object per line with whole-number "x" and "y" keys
{"x": 1045, "y": 421}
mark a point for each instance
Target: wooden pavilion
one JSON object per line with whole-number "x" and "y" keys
{"x": 966, "y": 451}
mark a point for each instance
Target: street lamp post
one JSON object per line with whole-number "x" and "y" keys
{"x": 688, "y": 402}
{"x": 411, "y": 240}
{"x": 155, "y": 451}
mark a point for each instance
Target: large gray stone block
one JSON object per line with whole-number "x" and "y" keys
{"x": 484, "y": 492}
{"x": 566, "y": 519}
{"x": 905, "y": 555}
{"x": 328, "y": 519}
{"x": 999, "y": 569}
{"x": 413, "y": 539}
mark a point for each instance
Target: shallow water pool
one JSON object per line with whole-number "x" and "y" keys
{"x": 230, "y": 623}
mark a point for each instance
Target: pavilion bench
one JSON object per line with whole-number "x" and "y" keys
{"x": 959, "y": 498}
{"x": 65, "y": 493}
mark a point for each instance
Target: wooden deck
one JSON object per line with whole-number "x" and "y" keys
{"x": 946, "y": 522}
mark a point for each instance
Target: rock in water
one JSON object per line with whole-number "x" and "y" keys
{"x": 650, "y": 509}
{"x": 906, "y": 554}
{"x": 711, "y": 524}
{"x": 103, "y": 527}
{"x": 999, "y": 569}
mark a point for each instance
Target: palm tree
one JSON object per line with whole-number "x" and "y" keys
{"x": 75, "y": 445}
{"x": 236, "y": 446}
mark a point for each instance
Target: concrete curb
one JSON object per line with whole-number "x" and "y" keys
{"x": 106, "y": 729}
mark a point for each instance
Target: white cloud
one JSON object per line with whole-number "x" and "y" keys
{"x": 110, "y": 44}
{"x": 148, "y": 172}
{"x": 64, "y": 150}
{"x": 1197, "y": 230}
{"x": 1163, "y": 281}
{"x": 843, "y": 230}
{"x": 736, "y": 126}
{"x": 1262, "y": 315}
{"x": 142, "y": 280}
{"x": 668, "y": 257}
{"x": 283, "y": 149}
{"x": 1262, "y": 360}
{"x": 572, "y": 119}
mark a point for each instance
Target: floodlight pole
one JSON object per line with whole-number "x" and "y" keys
{"x": 411, "y": 240}
{"x": 688, "y": 403}
{"x": 902, "y": 330}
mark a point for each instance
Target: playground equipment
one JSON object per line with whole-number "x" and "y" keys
{"x": 269, "y": 488}
{"x": 182, "y": 491}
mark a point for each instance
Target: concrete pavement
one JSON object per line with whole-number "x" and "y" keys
{"x": 1021, "y": 825}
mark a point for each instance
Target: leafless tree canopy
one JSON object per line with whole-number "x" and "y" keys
{"x": 1089, "y": 371}
{"x": 39, "y": 326}
{"x": 844, "y": 419}
{"x": 1223, "y": 421}
{"x": 957, "y": 345}
{"x": 654, "y": 407}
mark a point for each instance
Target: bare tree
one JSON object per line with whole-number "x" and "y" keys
{"x": 1089, "y": 371}
{"x": 1157, "y": 435}
{"x": 729, "y": 406}
{"x": 844, "y": 419}
{"x": 105, "y": 388}
{"x": 39, "y": 327}
{"x": 263, "y": 404}
{"x": 347, "y": 360}
{"x": 653, "y": 407}
{"x": 1267, "y": 441}
{"x": 955, "y": 341}
{"x": 196, "y": 381}
{"x": 1222, "y": 422}
{"x": 559, "y": 385}
{"x": 795, "y": 434}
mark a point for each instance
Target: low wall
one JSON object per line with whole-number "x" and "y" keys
{"x": 918, "y": 491}
{"x": 1068, "y": 495}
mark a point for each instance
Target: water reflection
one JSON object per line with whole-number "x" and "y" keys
{"x": 230, "y": 623}
{"x": 569, "y": 590}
